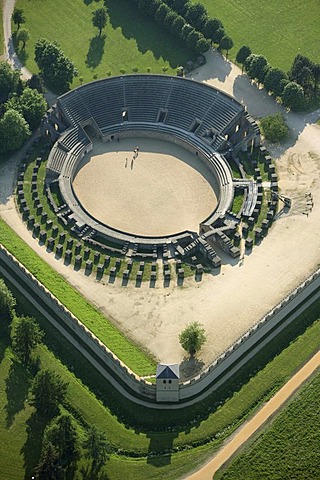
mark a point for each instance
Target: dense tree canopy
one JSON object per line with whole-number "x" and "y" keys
{"x": 292, "y": 96}
{"x": 27, "y": 336}
{"x": 57, "y": 70}
{"x": 9, "y": 80}
{"x": 14, "y": 131}
{"x": 96, "y": 447}
{"x": 257, "y": 67}
{"x": 210, "y": 29}
{"x": 31, "y": 104}
{"x": 196, "y": 15}
{"x": 192, "y": 337}
{"x": 274, "y": 127}
{"x": 49, "y": 467}
{"x": 275, "y": 81}
{"x": 243, "y": 54}
{"x": 62, "y": 434}
{"x": 7, "y": 303}
{"x": 48, "y": 391}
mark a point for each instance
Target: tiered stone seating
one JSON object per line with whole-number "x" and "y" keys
{"x": 187, "y": 102}
{"x": 221, "y": 112}
{"x": 74, "y": 108}
{"x": 145, "y": 98}
{"x": 104, "y": 100}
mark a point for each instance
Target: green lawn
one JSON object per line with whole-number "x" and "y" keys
{"x": 129, "y": 40}
{"x": 279, "y": 30}
{"x": 287, "y": 449}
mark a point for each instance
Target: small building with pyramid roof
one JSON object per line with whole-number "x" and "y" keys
{"x": 167, "y": 382}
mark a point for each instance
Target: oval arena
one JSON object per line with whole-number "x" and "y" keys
{"x": 141, "y": 161}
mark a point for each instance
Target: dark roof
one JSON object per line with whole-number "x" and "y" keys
{"x": 167, "y": 371}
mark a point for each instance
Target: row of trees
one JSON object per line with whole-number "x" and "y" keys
{"x": 293, "y": 88}
{"x": 61, "y": 445}
{"x": 175, "y": 23}
{"x": 197, "y": 16}
{"x": 21, "y": 108}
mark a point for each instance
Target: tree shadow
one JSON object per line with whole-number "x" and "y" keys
{"x": 159, "y": 451}
{"x": 149, "y": 38}
{"x": 189, "y": 367}
{"x": 17, "y": 386}
{"x": 96, "y": 50}
{"x": 31, "y": 450}
{"x": 20, "y": 51}
{"x": 91, "y": 472}
{"x": 5, "y": 335}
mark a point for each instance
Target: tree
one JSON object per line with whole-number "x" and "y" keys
{"x": 31, "y": 104}
{"x": 48, "y": 467}
{"x": 211, "y": 27}
{"x": 27, "y": 336}
{"x": 192, "y": 337}
{"x": 192, "y": 39}
{"x": 18, "y": 17}
{"x": 242, "y": 55}
{"x": 180, "y": 6}
{"x": 96, "y": 447}
{"x": 99, "y": 18}
{"x": 186, "y": 29}
{"x": 35, "y": 83}
{"x": 152, "y": 6}
{"x": 177, "y": 25}
{"x": 274, "y": 81}
{"x": 14, "y": 131}
{"x": 274, "y": 127}
{"x": 196, "y": 15}
{"x": 298, "y": 70}
{"x": 226, "y": 43}
{"x": 292, "y": 96}
{"x": 257, "y": 67}
{"x": 9, "y": 80}
{"x": 202, "y": 45}
{"x": 62, "y": 434}
{"x": 316, "y": 75}
{"x": 23, "y": 36}
{"x": 57, "y": 70}
{"x": 169, "y": 19}
{"x": 48, "y": 391}
{"x": 7, "y": 303}
{"x": 161, "y": 13}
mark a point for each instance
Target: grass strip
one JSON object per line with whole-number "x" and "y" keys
{"x": 132, "y": 356}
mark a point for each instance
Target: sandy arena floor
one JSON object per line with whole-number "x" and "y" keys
{"x": 229, "y": 303}
{"x": 165, "y": 190}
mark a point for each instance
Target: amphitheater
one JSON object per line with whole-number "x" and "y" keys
{"x": 199, "y": 124}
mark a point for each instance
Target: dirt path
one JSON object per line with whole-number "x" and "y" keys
{"x": 253, "y": 425}
{"x": 11, "y": 56}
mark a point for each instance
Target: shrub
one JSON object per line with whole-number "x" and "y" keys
{"x": 274, "y": 127}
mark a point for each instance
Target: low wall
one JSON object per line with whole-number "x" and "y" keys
{"x": 121, "y": 377}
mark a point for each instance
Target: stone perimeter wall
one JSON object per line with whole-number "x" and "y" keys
{"x": 129, "y": 384}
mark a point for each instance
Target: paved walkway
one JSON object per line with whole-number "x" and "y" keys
{"x": 245, "y": 432}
